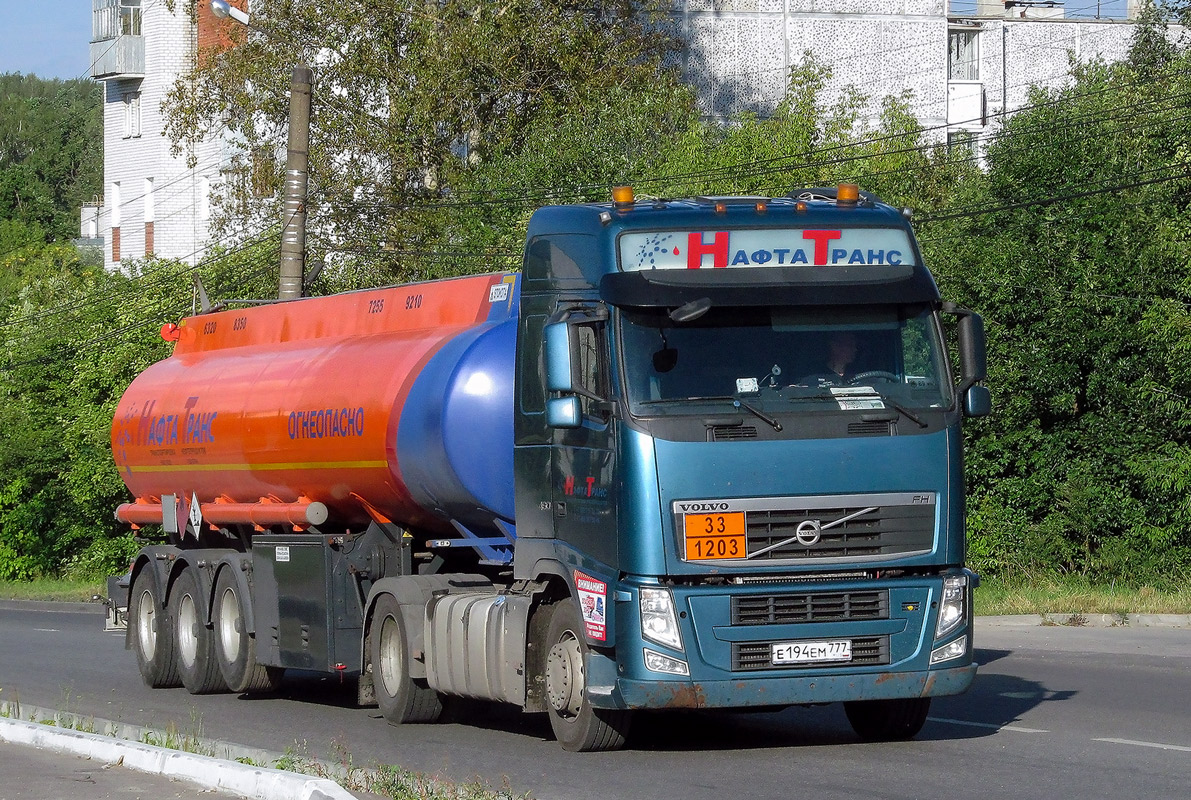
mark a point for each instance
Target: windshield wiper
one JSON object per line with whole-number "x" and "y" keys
{"x": 735, "y": 401}
{"x": 777, "y": 426}
{"x": 889, "y": 401}
{"x": 896, "y": 406}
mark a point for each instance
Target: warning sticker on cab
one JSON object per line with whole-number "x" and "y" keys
{"x": 593, "y": 602}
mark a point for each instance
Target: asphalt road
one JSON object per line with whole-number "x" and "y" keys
{"x": 1055, "y": 712}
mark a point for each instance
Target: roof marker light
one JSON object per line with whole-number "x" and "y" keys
{"x": 721, "y": 207}
{"x": 800, "y": 207}
{"x": 762, "y": 206}
{"x": 622, "y": 196}
{"x": 847, "y": 194}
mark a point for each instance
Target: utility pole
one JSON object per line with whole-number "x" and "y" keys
{"x": 293, "y": 205}
{"x": 297, "y": 166}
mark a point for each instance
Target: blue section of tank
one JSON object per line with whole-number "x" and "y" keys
{"x": 455, "y": 438}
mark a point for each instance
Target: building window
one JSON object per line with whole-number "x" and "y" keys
{"x": 963, "y": 62}
{"x": 132, "y": 115}
{"x": 963, "y": 144}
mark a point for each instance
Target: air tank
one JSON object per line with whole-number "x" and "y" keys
{"x": 393, "y": 405}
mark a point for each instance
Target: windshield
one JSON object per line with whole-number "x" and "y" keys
{"x": 780, "y": 360}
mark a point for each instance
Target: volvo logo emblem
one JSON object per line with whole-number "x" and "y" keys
{"x": 808, "y": 532}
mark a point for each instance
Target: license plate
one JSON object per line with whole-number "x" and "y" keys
{"x": 811, "y": 652}
{"x": 712, "y": 536}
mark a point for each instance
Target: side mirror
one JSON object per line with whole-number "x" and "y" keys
{"x": 564, "y": 412}
{"x": 973, "y": 363}
{"x": 558, "y": 358}
{"x": 977, "y": 402}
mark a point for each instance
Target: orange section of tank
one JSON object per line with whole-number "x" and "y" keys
{"x": 298, "y": 399}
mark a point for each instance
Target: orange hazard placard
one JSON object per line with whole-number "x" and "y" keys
{"x": 715, "y": 536}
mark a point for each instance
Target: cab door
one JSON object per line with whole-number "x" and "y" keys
{"x": 583, "y": 459}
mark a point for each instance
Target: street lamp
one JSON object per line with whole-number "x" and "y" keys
{"x": 293, "y": 201}
{"x": 223, "y": 10}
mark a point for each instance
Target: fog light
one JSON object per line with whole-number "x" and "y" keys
{"x": 656, "y": 662}
{"x": 949, "y": 651}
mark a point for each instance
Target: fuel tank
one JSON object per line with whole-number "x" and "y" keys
{"x": 392, "y": 404}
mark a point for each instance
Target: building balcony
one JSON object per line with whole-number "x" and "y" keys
{"x": 117, "y": 39}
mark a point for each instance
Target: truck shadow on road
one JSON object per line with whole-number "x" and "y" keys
{"x": 993, "y": 702}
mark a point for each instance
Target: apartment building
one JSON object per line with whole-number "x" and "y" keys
{"x": 959, "y": 64}
{"x": 154, "y": 201}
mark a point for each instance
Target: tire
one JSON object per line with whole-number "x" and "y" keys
{"x": 195, "y": 642}
{"x": 152, "y": 636}
{"x": 577, "y": 726}
{"x": 235, "y": 647}
{"x": 402, "y": 699}
{"x": 888, "y": 720}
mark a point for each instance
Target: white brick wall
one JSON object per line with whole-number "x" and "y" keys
{"x": 740, "y": 52}
{"x": 178, "y": 230}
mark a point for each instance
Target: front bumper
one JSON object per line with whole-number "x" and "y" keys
{"x": 663, "y": 694}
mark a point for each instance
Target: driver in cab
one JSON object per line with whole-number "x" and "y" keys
{"x": 838, "y": 366}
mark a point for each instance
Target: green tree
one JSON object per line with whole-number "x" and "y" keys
{"x": 51, "y": 152}
{"x": 1074, "y": 246}
{"x": 410, "y": 97}
{"x": 73, "y": 339}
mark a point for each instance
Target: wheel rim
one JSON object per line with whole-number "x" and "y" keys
{"x": 187, "y": 620}
{"x": 391, "y": 649}
{"x": 229, "y": 617}
{"x": 146, "y": 625}
{"x": 564, "y": 676}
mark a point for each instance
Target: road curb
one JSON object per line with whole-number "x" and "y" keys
{"x": 209, "y": 773}
{"x": 1077, "y": 620}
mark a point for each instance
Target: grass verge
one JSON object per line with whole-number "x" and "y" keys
{"x": 56, "y": 589}
{"x": 1073, "y": 596}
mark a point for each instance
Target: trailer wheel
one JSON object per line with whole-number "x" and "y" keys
{"x": 577, "y": 725}
{"x": 156, "y": 655}
{"x": 195, "y": 642}
{"x": 235, "y": 647}
{"x": 401, "y": 698}
{"x": 887, "y": 720}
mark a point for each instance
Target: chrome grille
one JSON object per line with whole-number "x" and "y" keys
{"x": 867, "y": 651}
{"x": 823, "y": 528}
{"x": 882, "y": 531}
{"x": 810, "y": 607}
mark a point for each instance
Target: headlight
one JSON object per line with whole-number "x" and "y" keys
{"x": 659, "y": 623}
{"x": 951, "y": 609}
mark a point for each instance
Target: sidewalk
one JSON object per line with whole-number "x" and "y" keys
{"x": 37, "y": 774}
{"x": 50, "y": 763}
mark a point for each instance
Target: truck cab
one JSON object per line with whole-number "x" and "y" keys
{"x": 737, "y": 439}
